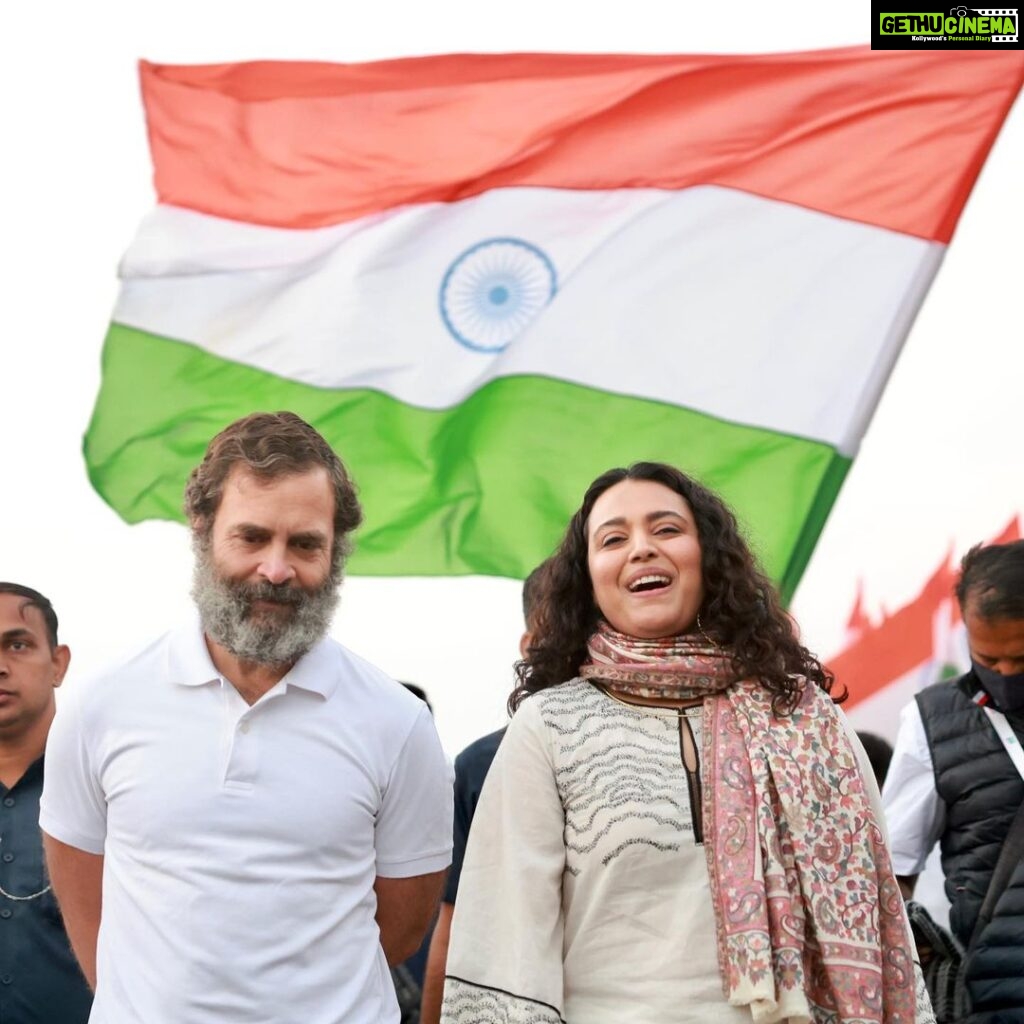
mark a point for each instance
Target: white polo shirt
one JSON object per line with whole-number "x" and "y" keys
{"x": 241, "y": 843}
{"x": 915, "y": 812}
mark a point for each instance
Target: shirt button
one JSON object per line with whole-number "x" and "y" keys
{"x": 8, "y": 857}
{"x": 6, "y": 979}
{"x": 244, "y": 727}
{"x": 5, "y": 913}
{"x": 8, "y": 802}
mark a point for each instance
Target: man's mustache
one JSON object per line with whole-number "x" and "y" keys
{"x": 279, "y": 593}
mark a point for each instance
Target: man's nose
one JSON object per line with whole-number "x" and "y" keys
{"x": 276, "y": 568}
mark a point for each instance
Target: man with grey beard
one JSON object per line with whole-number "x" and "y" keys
{"x": 246, "y": 822}
{"x": 225, "y": 609}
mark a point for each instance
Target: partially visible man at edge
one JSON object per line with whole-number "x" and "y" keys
{"x": 246, "y": 822}
{"x": 40, "y": 982}
{"x": 471, "y": 767}
{"x": 952, "y": 780}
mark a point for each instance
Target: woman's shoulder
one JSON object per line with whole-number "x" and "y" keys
{"x": 569, "y": 697}
{"x": 558, "y": 708}
{"x": 543, "y": 719}
{"x": 811, "y": 700}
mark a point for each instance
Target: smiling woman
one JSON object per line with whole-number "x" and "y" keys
{"x": 644, "y": 559}
{"x": 651, "y": 518}
{"x": 675, "y": 787}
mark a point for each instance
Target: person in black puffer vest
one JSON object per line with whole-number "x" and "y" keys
{"x": 952, "y": 781}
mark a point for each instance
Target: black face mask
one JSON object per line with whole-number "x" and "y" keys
{"x": 1007, "y": 692}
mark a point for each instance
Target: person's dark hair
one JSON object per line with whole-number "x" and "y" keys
{"x": 741, "y": 610}
{"x": 879, "y": 753}
{"x": 418, "y": 691}
{"x": 271, "y": 445}
{"x": 33, "y": 599}
{"x": 533, "y": 588}
{"x": 992, "y": 580}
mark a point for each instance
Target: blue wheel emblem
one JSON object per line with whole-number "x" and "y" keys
{"x": 494, "y": 290}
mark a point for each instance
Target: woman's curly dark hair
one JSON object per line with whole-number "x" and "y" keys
{"x": 741, "y": 609}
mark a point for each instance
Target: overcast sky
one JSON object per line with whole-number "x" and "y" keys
{"x": 941, "y": 463}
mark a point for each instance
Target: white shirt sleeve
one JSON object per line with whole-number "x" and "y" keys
{"x": 913, "y": 809}
{"x": 73, "y": 807}
{"x": 413, "y": 834}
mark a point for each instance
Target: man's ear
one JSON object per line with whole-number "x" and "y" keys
{"x": 61, "y": 659}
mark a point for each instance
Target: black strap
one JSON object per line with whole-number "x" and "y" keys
{"x": 1009, "y": 857}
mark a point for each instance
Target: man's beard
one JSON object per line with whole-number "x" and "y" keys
{"x": 268, "y": 638}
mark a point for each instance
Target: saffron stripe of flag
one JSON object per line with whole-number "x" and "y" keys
{"x": 894, "y": 139}
{"x": 488, "y": 279}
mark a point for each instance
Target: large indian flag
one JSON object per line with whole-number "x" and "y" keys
{"x": 486, "y": 279}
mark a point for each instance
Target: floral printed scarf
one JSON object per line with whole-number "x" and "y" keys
{"x": 810, "y": 921}
{"x": 672, "y": 666}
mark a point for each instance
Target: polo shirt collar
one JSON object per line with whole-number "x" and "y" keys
{"x": 189, "y": 662}
{"x": 316, "y": 671}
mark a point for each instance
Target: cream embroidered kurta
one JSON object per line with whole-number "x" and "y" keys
{"x": 584, "y": 894}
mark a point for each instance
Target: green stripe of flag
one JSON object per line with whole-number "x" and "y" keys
{"x": 485, "y": 487}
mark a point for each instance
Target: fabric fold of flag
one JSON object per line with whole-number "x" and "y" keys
{"x": 486, "y": 279}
